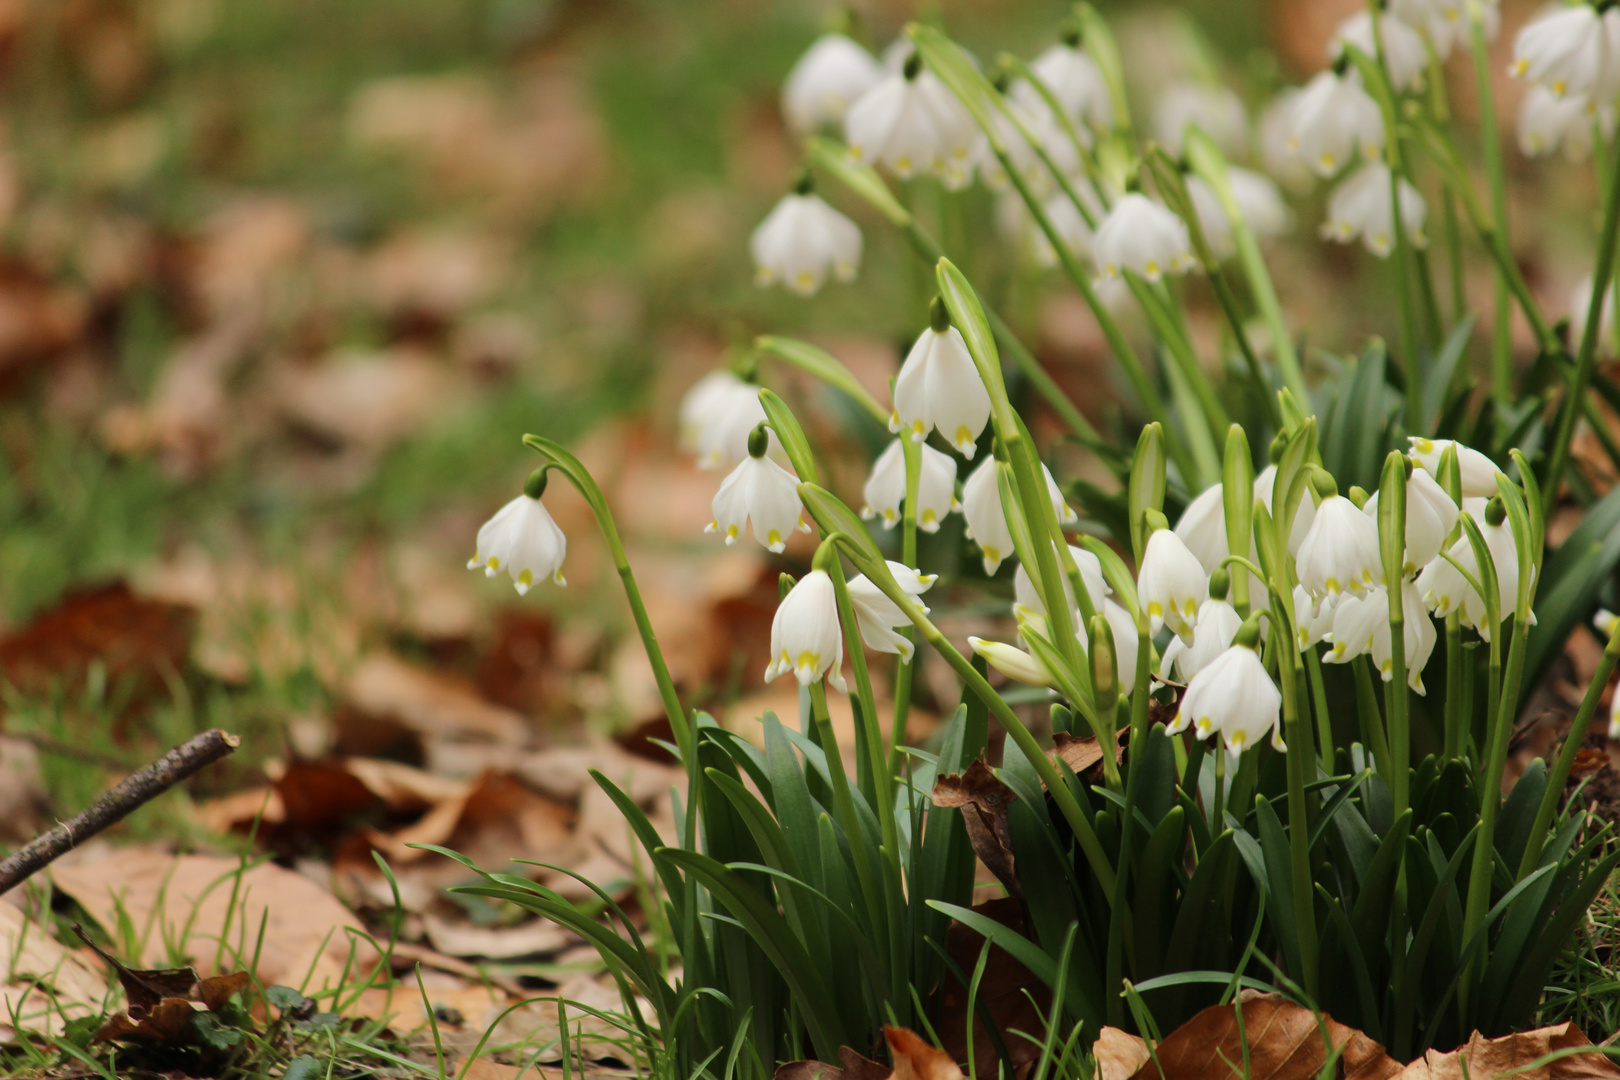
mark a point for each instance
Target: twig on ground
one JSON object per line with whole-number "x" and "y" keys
{"x": 117, "y": 804}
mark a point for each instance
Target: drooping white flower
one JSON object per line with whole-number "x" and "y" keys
{"x": 1218, "y": 624}
{"x": 717, "y": 418}
{"x": 1304, "y": 514}
{"x": 936, "y": 487}
{"x": 1548, "y": 122}
{"x": 1430, "y": 515}
{"x": 1027, "y": 602}
{"x": 1443, "y": 589}
{"x": 1363, "y": 205}
{"x": 1340, "y": 552}
{"x": 1313, "y": 621}
{"x": 912, "y": 124}
{"x": 1446, "y": 22}
{"x": 761, "y": 493}
{"x": 1279, "y": 151}
{"x": 1333, "y": 121}
{"x": 802, "y": 242}
{"x": 1202, "y": 527}
{"x": 1046, "y": 132}
{"x": 523, "y": 540}
{"x": 1571, "y": 50}
{"x": 1614, "y": 717}
{"x": 1171, "y": 584}
{"x": 805, "y": 635}
{"x": 1580, "y": 301}
{"x": 987, "y": 520}
{"x": 1258, "y": 199}
{"x": 1214, "y": 110}
{"x": 1143, "y": 237}
{"x": 1361, "y": 627}
{"x": 1233, "y": 696}
{"x": 1478, "y": 471}
{"x": 1076, "y": 82}
{"x": 1025, "y": 667}
{"x": 876, "y": 615}
{"x": 939, "y": 387}
{"x": 830, "y": 77}
{"x": 1405, "y": 55}
{"x": 1126, "y": 644}
{"x": 1356, "y": 622}
{"x": 1012, "y": 661}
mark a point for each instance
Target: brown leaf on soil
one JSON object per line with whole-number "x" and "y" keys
{"x": 1484, "y": 1059}
{"x": 306, "y": 929}
{"x": 134, "y": 638}
{"x": 429, "y": 702}
{"x": 1284, "y": 1044}
{"x": 1001, "y": 991}
{"x": 983, "y": 800}
{"x": 1119, "y": 1054}
{"x": 915, "y": 1059}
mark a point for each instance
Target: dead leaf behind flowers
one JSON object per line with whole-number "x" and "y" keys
{"x": 1284, "y": 1043}
{"x": 1484, "y": 1059}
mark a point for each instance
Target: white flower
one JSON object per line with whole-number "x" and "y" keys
{"x": 830, "y": 77}
{"x": 1143, "y": 237}
{"x": 1443, "y": 589}
{"x": 1430, "y": 515}
{"x": 1445, "y": 22}
{"x": 939, "y": 387}
{"x": 936, "y": 487}
{"x": 1279, "y": 151}
{"x": 1218, "y": 624}
{"x": 1258, "y": 199}
{"x": 1405, "y": 55}
{"x": 1202, "y": 527}
{"x": 1012, "y": 662}
{"x": 1233, "y": 696}
{"x": 1608, "y": 342}
{"x": 1214, "y": 110}
{"x": 1313, "y": 621}
{"x": 1547, "y": 122}
{"x": 1304, "y": 514}
{"x": 717, "y": 418}
{"x": 1027, "y": 602}
{"x": 1361, "y": 627}
{"x": 801, "y": 242}
{"x": 1076, "y": 82}
{"x": 876, "y": 615}
{"x": 912, "y": 126}
{"x": 1356, "y": 622}
{"x": 761, "y": 492}
{"x": 1571, "y": 50}
{"x": 1172, "y": 584}
{"x": 1340, "y": 553}
{"x": 1126, "y": 645}
{"x": 805, "y": 636}
{"x": 1332, "y": 121}
{"x": 987, "y": 520}
{"x": 1363, "y": 206}
{"x": 1478, "y": 471}
{"x": 1045, "y": 130}
{"x": 523, "y": 540}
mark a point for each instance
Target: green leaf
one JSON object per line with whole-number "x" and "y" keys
{"x": 790, "y": 435}
{"x": 1375, "y": 897}
{"x": 833, "y": 516}
{"x": 304, "y": 1068}
{"x": 1437, "y": 383}
{"x": 824, "y": 366}
{"x": 1116, "y": 574}
{"x": 1153, "y": 895}
{"x": 1146, "y": 487}
{"x": 1571, "y": 578}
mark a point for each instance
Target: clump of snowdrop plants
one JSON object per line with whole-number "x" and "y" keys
{"x": 1295, "y": 624}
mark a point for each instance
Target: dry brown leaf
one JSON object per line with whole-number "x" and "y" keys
{"x": 1484, "y": 1059}
{"x": 23, "y": 799}
{"x": 29, "y": 953}
{"x": 1006, "y": 991}
{"x": 1118, "y": 1054}
{"x": 983, "y": 799}
{"x": 429, "y": 702}
{"x": 138, "y": 641}
{"x": 496, "y": 942}
{"x": 368, "y": 400}
{"x": 915, "y": 1059}
{"x": 1284, "y": 1044}
{"x": 306, "y": 929}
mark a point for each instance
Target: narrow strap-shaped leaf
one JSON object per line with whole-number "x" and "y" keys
{"x": 824, "y": 366}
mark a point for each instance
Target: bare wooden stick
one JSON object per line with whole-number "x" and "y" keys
{"x": 116, "y": 805}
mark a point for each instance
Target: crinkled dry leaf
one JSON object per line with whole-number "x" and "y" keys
{"x": 496, "y": 943}
{"x": 306, "y": 929}
{"x": 138, "y": 641}
{"x": 1118, "y": 1054}
{"x": 854, "y": 1067}
{"x": 983, "y": 799}
{"x": 1006, "y": 991}
{"x": 1284, "y": 1044}
{"x": 915, "y": 1059}
{"x": 1484, "y": 1059}
{"x": 429, "y": 702}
